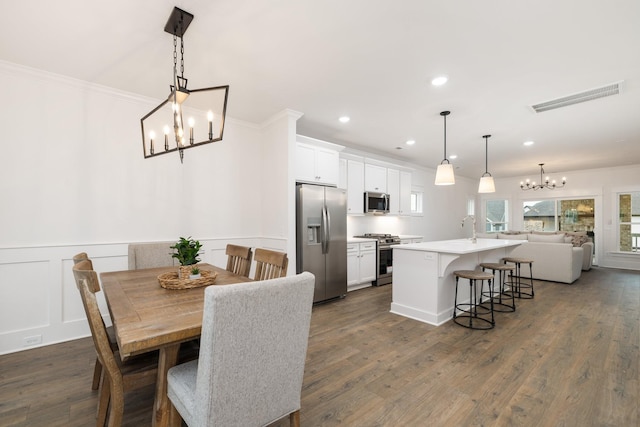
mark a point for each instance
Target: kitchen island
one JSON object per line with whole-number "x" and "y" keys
{"x": 423, "y": 283}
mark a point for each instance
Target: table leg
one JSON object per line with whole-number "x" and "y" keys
{"x": 168, "y": 358}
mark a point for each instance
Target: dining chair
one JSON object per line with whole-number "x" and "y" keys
{"x": 239, "y": 259}
{"x": 97, "y": 369}
{"x": 118, "y": 377}
{"x": 150, "y": 255}
{"x": 270, "y": 264}
{"x": 252, "y": 354}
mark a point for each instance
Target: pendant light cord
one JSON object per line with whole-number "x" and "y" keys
{"x": 486, "y": 155}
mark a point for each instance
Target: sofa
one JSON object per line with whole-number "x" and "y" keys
{"x": 557, "y": 256}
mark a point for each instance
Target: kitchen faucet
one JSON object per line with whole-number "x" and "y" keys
{"x": 473, "y": 218}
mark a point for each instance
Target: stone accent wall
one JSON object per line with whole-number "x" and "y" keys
{"x": 625, "y": 216}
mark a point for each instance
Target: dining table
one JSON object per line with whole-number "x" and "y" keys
{"x": 147, "y": 317}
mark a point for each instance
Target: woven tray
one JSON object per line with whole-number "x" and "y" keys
{"x": 171, "y": 281}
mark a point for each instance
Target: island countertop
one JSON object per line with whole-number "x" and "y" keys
{"x": 460, "y": 246}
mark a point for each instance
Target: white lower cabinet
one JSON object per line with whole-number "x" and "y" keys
{"x": 361, "y": 265}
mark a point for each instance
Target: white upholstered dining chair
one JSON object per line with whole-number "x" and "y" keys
{"x": 150, "y": 255}
{"x": 252, "y": 354}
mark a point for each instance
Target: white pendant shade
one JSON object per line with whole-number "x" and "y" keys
{"x": 486, "y": 185}
{"x": 444, "y": 175}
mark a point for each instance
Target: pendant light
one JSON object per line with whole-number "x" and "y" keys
{"x": 444, "y": 173}
{"x": 486, "y": 180}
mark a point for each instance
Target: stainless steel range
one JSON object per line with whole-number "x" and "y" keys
{"x": 385, "y": 256}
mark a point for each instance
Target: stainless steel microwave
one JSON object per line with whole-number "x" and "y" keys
{"x": 377, "y": 203}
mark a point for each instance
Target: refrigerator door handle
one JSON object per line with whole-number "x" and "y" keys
{"x": 325, "y": 230}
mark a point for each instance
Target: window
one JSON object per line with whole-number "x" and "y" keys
{"x": 539, "y": 215}
{"x": 628, "y": 221}
{"x": 416, "y": 202}
{"x": 559, "y": 215}
{"x": 497, "y": 215}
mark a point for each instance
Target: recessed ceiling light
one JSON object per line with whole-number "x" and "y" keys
{"x": 453, "y": 156}
{"x": 344, "y": 119}
{"x": 439, "y": 81}
{"x": 410, "y": 142}
{"x": 528, "y": 143}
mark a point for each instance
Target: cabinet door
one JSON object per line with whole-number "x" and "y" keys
{"x": 355, "y": 187}
{"x": 327, "y": 166}
{"x": 353, "y": 264}
{"x": 367, "y": 264}
{"x": 375, "y": 178}
{"x": 393, "y": 188}
{"x": 305, "y": 163}
{"x": 405, "y": 193}
{"x": 342, "y": 180}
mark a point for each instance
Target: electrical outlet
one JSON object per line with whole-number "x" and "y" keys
{"x": 32, "y": 340}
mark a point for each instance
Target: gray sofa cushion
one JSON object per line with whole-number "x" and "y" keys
{"x": 551, "y": 238}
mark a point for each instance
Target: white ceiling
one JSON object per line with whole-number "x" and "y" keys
{"x": 373, "y": 60}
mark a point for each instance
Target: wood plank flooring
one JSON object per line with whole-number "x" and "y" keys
{"x": 570, "y": 357}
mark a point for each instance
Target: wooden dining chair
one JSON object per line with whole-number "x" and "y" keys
{"x": 118, "y": 377}
{"x": 97, "y": 369}
{"x": 239, "y": 259}
{"x": 270, "y": 264}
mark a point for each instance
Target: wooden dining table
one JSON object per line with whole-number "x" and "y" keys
{"x": 147, "y": 317}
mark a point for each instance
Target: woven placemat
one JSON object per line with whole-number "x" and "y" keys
{"x": 171, "y": 281}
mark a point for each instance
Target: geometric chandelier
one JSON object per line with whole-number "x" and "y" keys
{"x": 163, "y": 128}
{"x": 526, "y": 185}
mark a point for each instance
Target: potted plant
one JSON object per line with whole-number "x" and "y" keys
{"x": 195, "y": 273}
{"x": 186, "y": 251}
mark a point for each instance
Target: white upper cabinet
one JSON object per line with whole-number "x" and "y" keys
{"x": 393, "y": 188}
{"x": 405, "y": 193}
{"x": 342, "y": 180}
{"x": 317, "y": 165}
{"x": 355, "y": 187}
{"x": 375, "y": 178}
{"x": 399, "y": 189}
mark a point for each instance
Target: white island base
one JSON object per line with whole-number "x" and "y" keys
{"x": 423, "y": 283}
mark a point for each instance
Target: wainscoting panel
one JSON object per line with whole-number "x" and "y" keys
{"x": 24, "y": 296}
{"x": 39, "y": 301}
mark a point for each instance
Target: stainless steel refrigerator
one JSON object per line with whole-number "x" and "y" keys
{"x": 321, "y": 231}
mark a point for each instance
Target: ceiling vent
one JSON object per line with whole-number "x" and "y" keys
{"x": 588, "y": 95}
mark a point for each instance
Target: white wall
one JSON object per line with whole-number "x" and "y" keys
{"x": 599, "y": 184}
{"x": 73, "y": 178}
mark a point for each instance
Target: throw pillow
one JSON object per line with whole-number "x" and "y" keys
{"x": 550, "y": 238}
{"x": 578, "y": 239}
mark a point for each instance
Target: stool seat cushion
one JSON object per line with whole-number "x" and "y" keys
{"x": 518, "y": 260}
{"x": 473, "y": 274}
{"x": 497, "y": 266}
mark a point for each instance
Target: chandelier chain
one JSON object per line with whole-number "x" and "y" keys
{"x": 175, "y": 54}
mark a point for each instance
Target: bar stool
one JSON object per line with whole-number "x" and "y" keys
{"x": 470, "y": 309}
{"x": 517, "y": 287}
{"x": 500, "y": 305}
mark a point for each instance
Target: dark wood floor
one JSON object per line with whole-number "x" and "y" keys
{"x": 568, "y": 358}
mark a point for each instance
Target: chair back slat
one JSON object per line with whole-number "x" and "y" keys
{"x": 270, "y": 264}
{"x": 239, "y": 259}
{"x": 82, "y": 256}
